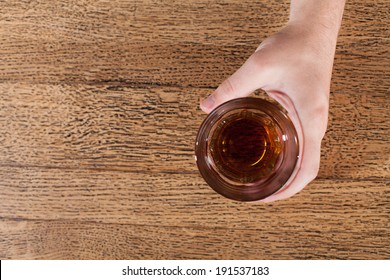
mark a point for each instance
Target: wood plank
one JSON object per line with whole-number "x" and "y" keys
{"x": 75, "y": 240}
{"x": 158, "y": 42}
{"x": 182, "y": 43}
{"x": 154, "y": 129}
{"x": 185, "y": 200}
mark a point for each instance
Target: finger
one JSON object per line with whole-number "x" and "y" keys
{"x": 310, "y": 126}
{"x": 307, "y": 171}
{"x": 248, "y": 78}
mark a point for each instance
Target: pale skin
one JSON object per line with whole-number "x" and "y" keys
{"x": 294, "y": 67}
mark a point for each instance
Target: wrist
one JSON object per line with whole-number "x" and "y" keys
{"x": 317, "y": 17}
{"x": 317, "y": 23}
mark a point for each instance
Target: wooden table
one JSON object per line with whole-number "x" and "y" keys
{"x": 98, "y": 116}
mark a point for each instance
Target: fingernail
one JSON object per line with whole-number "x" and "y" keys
{"x": 208, "y": 103}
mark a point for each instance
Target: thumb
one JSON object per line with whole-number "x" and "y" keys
{"x": 248, "y": 78}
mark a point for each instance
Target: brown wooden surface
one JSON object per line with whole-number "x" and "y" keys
{"x": 98, "y": 115}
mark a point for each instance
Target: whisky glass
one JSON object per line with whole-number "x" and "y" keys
{"x": 247, "y": 149}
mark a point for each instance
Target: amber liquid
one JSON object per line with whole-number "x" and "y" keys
{"x": 245, "y": 147}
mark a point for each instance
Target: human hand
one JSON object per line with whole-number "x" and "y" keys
{"x": 294, "y": 67}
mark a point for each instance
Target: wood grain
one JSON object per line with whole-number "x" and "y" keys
{"x": 185, "y": 200}
{"x": 130, "y": 215}
{"x": 154, "y": 129}
{"x": 98, "y": 116}
{"x": 88, "y": 240}
{"x": 182, "y": 43}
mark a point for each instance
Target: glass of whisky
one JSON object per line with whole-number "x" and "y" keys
{"x": 246, "y": 149}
